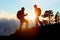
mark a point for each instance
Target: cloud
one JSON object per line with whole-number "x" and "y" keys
{"x": 5, "y": 14}
{"x": 8, "y": 26}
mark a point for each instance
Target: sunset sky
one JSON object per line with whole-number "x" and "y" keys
{"x": 10, "y": 7}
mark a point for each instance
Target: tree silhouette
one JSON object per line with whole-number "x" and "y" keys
{"x": 48, "y": 13}
{"x": 57, "y": 17}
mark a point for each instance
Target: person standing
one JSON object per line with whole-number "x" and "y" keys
{"x": 37, "y": 14}
{"x": 20, "y": 16}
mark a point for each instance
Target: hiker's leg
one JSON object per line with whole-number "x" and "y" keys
{"x": 36, "y": 22}
{"x": 26, "y": 23}
{"x": 21, "y": 23}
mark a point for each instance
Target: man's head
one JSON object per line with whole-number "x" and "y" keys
{"x": 35, "y": 6}
{"x": 23, "y": 8}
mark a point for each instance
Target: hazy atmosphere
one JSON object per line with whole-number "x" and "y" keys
{"x": 8, "y": 10}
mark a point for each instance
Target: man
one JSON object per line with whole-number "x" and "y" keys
{"x": 37, "y": 14}
{"x": 20, "y": 16}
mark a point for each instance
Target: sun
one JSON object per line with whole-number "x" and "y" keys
{"x": 31, "y": 19}
{"x": 30, "y": 16}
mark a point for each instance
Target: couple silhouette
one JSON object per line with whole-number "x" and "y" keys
{"x": 21, "y": 15}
